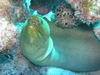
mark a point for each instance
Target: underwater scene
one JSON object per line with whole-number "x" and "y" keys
{"x": 49, "y": 37}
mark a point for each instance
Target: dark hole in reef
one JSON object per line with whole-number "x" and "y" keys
{"x": 84, "y": 26}
{"x": 64, "y": 14}
{"x": 62, "y": 11}
{"x": 70, "y": 16}
{"x": 66, "y": 23}
{"x": 57, "y": 14}
{"x": 60, "y": 16}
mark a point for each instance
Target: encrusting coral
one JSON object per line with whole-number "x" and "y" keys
{"x": 86, "y": 10}
{"x": 7, "y": 10}
{"x": 8, "y": 31}
{"x": 7, "y": 36}
{"x": 11, "y": 11}
{"x": 65, "y": 16}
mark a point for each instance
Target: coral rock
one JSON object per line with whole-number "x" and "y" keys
{"x": 97, "y": 32}
{"x": 7, "y": 35}
{"x": 86, "y": 10}
{"x": 65, "y": 17}
{"x": 43, "y": 10}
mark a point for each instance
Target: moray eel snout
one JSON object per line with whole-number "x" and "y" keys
{"x": 37, "y": 28}
{"x": 36, "y": 25}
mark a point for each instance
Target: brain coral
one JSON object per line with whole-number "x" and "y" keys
{"x": 7, "y": 35}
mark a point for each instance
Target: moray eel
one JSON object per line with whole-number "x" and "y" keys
{"x": 74, "y": 49}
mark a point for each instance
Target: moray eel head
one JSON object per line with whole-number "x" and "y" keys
{"x": 36, "y": 29}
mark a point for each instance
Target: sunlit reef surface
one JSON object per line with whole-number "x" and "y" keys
{"x": 13, "y": 62}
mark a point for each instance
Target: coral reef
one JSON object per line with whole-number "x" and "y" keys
{"x": 43, "y": 10}
{"x": 7, "y": 35}
{"x": 7, "y": 29}
{"x": 97, "y": 32}
{"x": 86, "y": 10}
{"x": 13, "y": 10}
{"x": 96, "y": 29}
{"x": 65, "y": 17}
{"x": 21, "y": 10}
{"x": 7, "y": 10}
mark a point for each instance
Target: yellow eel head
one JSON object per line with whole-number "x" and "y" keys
{"x": 35, "y": 30}
{"x": 35, "y": 39}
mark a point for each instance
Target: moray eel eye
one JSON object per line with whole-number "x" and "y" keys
{"x": 33, "y": 20}
{"x": 32, "y": 23}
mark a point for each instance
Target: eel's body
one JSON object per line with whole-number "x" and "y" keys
{"x": 74, "y": 49}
